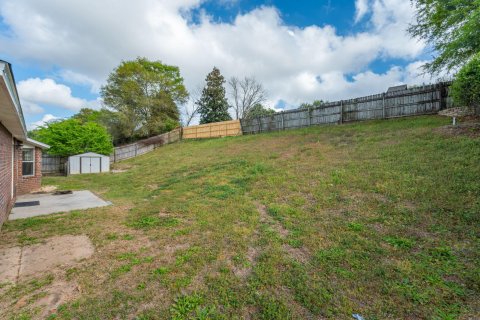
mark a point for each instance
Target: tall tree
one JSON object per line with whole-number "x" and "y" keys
{"x": 190, "y": 110}
{"x": 246, "y": 93}
{"x": 314, "y": 104}
{"x": 452, "y": 28}
{"x": 259, "y": 110}
{"x": 146, "y": 94}
{"x": 213, "y": 105}
{"x": 119, "y": 125}
{"x": 88, "y": 115}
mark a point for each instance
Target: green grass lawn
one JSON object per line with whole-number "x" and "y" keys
{"x": 379, "y": 218}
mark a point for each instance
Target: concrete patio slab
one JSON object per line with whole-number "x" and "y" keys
{"x": 78, "y": 200}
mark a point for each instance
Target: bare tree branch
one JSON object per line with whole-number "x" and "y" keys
{"x": 190, "y": 109}
{"x": 246, "y": 93}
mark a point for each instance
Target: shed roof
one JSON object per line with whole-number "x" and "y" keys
{"x": 89, "y": 154}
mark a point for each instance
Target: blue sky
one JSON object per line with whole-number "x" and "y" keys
{"x": 299, "y": 50}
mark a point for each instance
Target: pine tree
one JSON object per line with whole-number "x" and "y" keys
{"x": 213, "y": 105}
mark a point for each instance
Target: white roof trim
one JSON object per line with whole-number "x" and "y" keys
{"x": 37, "y": 143}
{"x": 7, "y": 75}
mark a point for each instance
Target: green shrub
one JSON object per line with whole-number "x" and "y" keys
{"x": 465, "y": 89}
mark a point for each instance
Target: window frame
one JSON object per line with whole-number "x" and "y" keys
{"x": 32, "y": 161}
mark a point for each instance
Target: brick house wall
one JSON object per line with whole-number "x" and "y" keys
{"x": 6, "y": 199}
{"x": 28, "y": 184}
{"x": 13, "y": 134}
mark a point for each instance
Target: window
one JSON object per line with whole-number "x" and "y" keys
{"x": 28, "y": 160}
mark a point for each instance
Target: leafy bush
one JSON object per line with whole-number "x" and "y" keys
{"x": 70, "y": 136}
{"x": 466, "y": 86}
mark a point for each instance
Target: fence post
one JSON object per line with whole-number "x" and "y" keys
{"x": 383, "y": 105}
{"x": 341, "y": 111}
{"x": 283, "y": 122}
{"x": 136, "y": 147}
{"x": 309, "y": 116}
{"x": 442, "y": 97}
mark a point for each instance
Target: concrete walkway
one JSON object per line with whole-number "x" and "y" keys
{"x": 78, "y": 200}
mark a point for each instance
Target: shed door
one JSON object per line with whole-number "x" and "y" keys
{"x": 95, "y": 165}
{"x": 90, "y": 165}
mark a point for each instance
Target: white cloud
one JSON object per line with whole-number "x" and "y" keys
{"x": 80, "y": 79}
{"x": 46, "y": 118}
{"x": 35, "y": 92}
{"x": 31, "y": 108}
{"x": 361, "y": 7}
{"x": 87, "y": 44}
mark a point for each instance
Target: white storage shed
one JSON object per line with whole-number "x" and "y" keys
{"x": 89, "y": 162}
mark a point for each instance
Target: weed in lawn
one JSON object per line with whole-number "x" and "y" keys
{"x": 271, "y": 308}
{"x": 187, "y": 255}
{"x": 160, "y": 271}
{"x": 355, "y": 226}
{"x": 28, "y": 287}
{"x": 112, "y": 236}
{"x": 186, "y": 306}
{"x": 152, "y": 222}
{"x": 24, "y": 239}
{"x": 398, "y": 242}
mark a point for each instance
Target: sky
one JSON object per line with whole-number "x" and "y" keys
{"x": 63, "y": 51}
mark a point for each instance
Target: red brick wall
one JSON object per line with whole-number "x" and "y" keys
{"x": 6, "y": 200}
{"x": 30, "y": 183}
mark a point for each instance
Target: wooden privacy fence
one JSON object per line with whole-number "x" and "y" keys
{"x": 213, "y": 130}
{"x": 143, "y": 146}
{"x": 54, "y": 165}
{"x": 426, "y": 99}
{"x": 210, "y": 130}
{"x": 400, "y": 102}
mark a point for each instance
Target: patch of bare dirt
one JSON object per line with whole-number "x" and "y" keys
{"x": 290, "y": 153}
{"x": 19, "y": 262}
{"x": 266, "y": 218}
{"x": 19, "y": 265}
{"x": 300, "y": 310}
{"x": 262, "y": 210}
{"x": 458, "y": 112}
{"x": 249, "y": 312}
{"x": 172, "y": 248}
{"x": 359, "y": 197}
{"x": 56, "y": 251}
{"x": 252, "y": 254}
{"x": 9, "y": 264}
{"x": 409, "y": 205}
{"x": 300, "y": 254}
{"x": 54, "y": 295}
{"x": 46, "y": 189}
{"x": 470, "y": 129}
{"x": 118, "y": 170}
